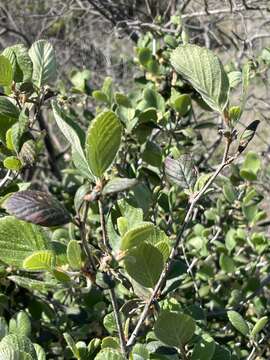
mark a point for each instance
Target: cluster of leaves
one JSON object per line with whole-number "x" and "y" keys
{"x": 143, "y": 249}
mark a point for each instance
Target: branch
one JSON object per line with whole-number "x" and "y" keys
{"x": 225, "y": 161}
{"x": 5, "y": 179}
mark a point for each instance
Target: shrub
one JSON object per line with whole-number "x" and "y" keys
{"x": 141, "y": 238}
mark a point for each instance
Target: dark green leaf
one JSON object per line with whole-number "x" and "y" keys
{"x": 174, "y": 328}
{"x": 144, "y": 264}
{"x": 204, "y": 348}
{"x": 116, "y": 185}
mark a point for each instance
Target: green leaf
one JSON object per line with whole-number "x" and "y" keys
{"x": 109, "y": 323}
{"x": 229, "y": 192}
{"x": 3, "y": 327}
{"x": 20, "y": 324}
{"x": 103, "y": 142}
{"x": 234, "y": 113}
{"x": 144, "y": 56}
{"x": 148, "y": 115}
{"x": 181, "y": 172}
{"x": 204, "y": 348}
{"x": 145, "y": 231}
{"x": 107, "y": 89}
{"x": 79, "y": 80}
{"x": 201, "y": 182}
{"x": 44, "y": 63}
{"x": 109, "y": 354}
{"x": 18, "y": 343}
{"x": 18, "y": 129}
{"x": 182, "y": 104}
{"x": 152, "y": 154}
{"x": 205, "y": 72}
{"x": 19, "y": 239}
{"x": 71, "y": 343}
{"x": 73, "y": 138}
{"x": 221, "y": 353}
{"x": 247, "y": 135}
{"x": 238, "y": 322}
{"x": 152, "y": 99}
{"x": 74, "y": 254}
{"x": 28, "y": 152}
{"x": 32, "y": 284}
{"x": 260, "y": 324}
{"x": 131, "y": 212}
{"x": 226, "y": 263}
{"x": 110, "y": 342}
{"x": 40, "y": 261}
{"x": 37, "y": 207}
{"x": 171, "y": 41}
{"x": 9, "y": 114}
{"x": 6, "y": 71}
{"x": 12, "y": 163}
{"x": 144, "y": 264}
{"x": 117, "y": 185}
{"x": 40, "y": 352}
{"x": 140, "y": 352}
{"x": 174, "y": 328}
{"x": 234, "y": 78}
{"x": 122, "y": 100}
{"x": 7, "y": 353}
{"x": 100, "y": 96}
{"x": 21, "y": 62}
{"x": 251, "y": 166}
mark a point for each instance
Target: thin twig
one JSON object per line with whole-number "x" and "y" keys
{"x": 118, "y": 322}
{"x": 225, "y": 161}
{"x": 84, "y": 235}
{"x": 103, "y": 226}
{"x": 111, "y": 291}
{"x": 5, "y": 179}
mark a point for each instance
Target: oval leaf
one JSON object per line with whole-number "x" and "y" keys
{"x": 20, "y": 324}
{"x": 74, "y": 254}
{"x": 144, "y": 264}
{"x": 260, "y": 324}
{"x": 181, "y": 172}
{"x": 72, "y": 137}
{"x": 103, "y": 141}
{"x": 37, "y": 207}
{"x": 116, "y": 185}
{"x": 44, "y": 62}
{"x": 174, "y": 329}
{"x": 205, "y": 72}
{"x": 204, "y": 348}
{"x": 238, "y": 322}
